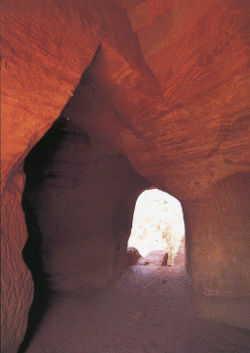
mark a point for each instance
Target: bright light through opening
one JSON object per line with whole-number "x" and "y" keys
{"x": 157, "y": 224}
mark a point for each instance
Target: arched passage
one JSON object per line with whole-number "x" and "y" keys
{"x": 158, "y": 224}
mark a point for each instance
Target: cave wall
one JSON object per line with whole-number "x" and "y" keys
{"x": 82, "y": 198}
{"x": 173, "y": 81}
{"x": 16, "y": 282}
{"x": 78, "y": 201}
{"x": 218, "y": 234}
{"x": 171, "y": 64}
{"x": 37, "y": 64}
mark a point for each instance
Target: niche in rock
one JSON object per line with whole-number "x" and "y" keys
{"x": 158, "y": 226}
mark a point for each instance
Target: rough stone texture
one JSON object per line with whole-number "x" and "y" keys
{"x": 164, "y": 261}
{"x": 16, "y": 283}
{"x": 133, "y": 256}
{"x": 174, "y": 78}
{"x": 78, "y": 201}
{"x": 219, "y": 247}
{"x": 198, "y": 53}
{"x": 37, "y": 64}
{"x": 158, "y": 257}
{"x": 179, "y": 108}
{"x": 82, "y": 196}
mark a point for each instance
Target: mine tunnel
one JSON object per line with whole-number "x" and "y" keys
{"x": 85, "y": 208}
{"x": 101, "y": 101}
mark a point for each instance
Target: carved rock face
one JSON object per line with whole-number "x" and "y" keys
{"x": 178, "y": 90}
{"x": 82, "y": 199}
{"x": 78, "y": 202}
{"x": 164, "y": 83}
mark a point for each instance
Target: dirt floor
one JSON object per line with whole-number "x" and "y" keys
{"x": 148, "y": 310}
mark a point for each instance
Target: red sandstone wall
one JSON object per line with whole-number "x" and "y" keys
{"x": 199, "y": 88}
{"x": 16, "y": 282}
{"x": 198, "y": 52}
{"x": 179, "y": 93}
{"x": 219, "y": 244}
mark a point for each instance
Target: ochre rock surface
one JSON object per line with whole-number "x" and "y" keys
{"x": 172, "y": 80}
{"x": 16, "y": 283}
{"x": 179, "y": 88}
{"x": 219, "y": 243}
{"x": 88, "y": 196}
{"x": 133, "y": 256}
{"x": 194, "y": 120}
{"x": 38, "y": 63}
{"x": 78, "y": 200}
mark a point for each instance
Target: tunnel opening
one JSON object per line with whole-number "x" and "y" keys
{"x": 158, "y": 229}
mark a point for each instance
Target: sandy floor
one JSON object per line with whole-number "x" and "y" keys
{"x": 147, "y": 311}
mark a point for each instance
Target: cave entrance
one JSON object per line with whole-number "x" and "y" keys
{"x": 158, "y": 227}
